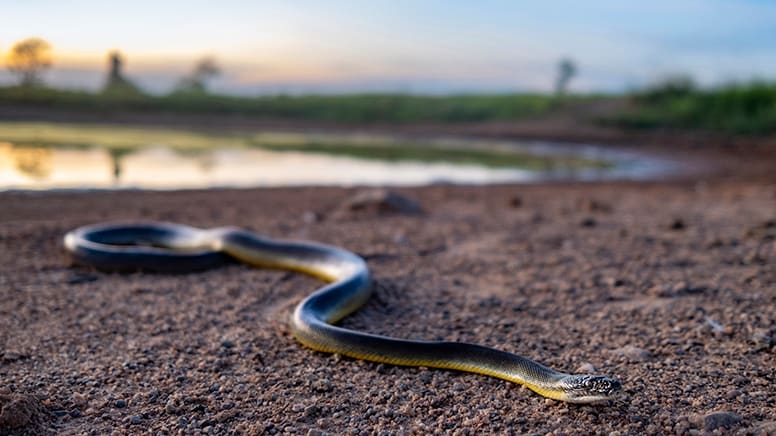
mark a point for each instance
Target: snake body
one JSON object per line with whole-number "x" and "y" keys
{"x": 168, "y": 247}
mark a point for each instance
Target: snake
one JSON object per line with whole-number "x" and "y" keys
{"x": 175, "y": 248}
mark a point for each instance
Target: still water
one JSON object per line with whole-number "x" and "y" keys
{"x": 23, "y": 167}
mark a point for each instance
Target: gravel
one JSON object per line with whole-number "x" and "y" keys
{"x": 670, "y": 287}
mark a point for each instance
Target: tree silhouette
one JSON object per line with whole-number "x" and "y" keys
{"x": 117, "y": 83}
{"x": 566, "y": 70}
{"x": 196, "y": 82}
{"x": 28, "y": 59}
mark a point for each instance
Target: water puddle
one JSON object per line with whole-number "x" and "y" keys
{"x": 160, "y": 167}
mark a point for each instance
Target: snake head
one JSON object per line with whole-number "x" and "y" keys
{"x": 590, "y": 388}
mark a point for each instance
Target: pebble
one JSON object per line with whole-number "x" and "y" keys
{"x": 762, "y": 339}
{"x": 382, "y": 201}
{"x": 311, "y": 410}
{"x": 170, "y": 407}
{"x": 135, "y": 420}
{"x": 586, "y": 368}
{"x": 120, "y": 404}
{"x": 633, "y": 353}
{"x": 678, "y": 224}
{"x": 227, "y": 344}
{"x": 732, "y": 394}
{"x": 310, "y": 217}
{"x": 9, "y": 356}
{"x": 715, "y": 420}
{"x": 321, "y": 385}
{"x": 766, "y": 429}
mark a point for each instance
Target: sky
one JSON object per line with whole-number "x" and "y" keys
{"x": 417, "y": 46}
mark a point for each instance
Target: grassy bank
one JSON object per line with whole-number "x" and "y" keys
{"x": 733, "y": 109}
{"x": 387, "y": 108}
{"x": 122, "y": 139}
{"x": 408, "y": 151}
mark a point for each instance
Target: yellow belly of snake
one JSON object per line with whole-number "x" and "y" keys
{"x": 168, "y": 247}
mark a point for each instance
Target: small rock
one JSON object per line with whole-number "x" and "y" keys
{"x": 80, "y": 400}
{"x": 227, "y": 344}
{"x": 311, "y": 410}
{"x": 633, "y": 353}
{"x": 677, "y": 225}
{"x": 78, "y": 278}
{"x": 321, "y": 385}
{"x": 586, "y": 368}
{"x": 59, "y": 413}
{"x": 310, "y": 217}
{"x": 171, "y": 407}
{"x": 762, "y": 339}
{"x": 588, "y": 222}
{"x": 591, "y": 205}
{"x": 75, "y": 413}
{"x": 715, "y": 420}
{"x": 516, "y": 201}
{"x": 381, "y": 201}
{"x": 732, "y": 394}
{"x": 120, "y": 404}
{"x": 9, "y": 356}
{"x": 135, "y": 420}
{"x": 766, "y": 429}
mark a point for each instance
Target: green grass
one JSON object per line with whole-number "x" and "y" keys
{"x": 366, "y": 108}
{"x": 735, "y": 109}
{"x": 122, "y": 140}
{"x": 110, "y": 137}
{"x": 407, "y": 151}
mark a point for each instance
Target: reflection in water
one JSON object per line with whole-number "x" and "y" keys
{"x": 115, "y": 158}
{"x": 163, "y": 168}
{"x": 34, "y": 162}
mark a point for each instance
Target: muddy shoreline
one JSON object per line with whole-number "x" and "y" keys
{"x": 705, "y": 155}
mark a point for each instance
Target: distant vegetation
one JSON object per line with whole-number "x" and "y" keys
{"x": 344, "y": 108}
{"x": 28, "y": 59}
{"x": 425, "y": 152}
{"x": 680, "y": 103}
{"x": 674, "y": 103}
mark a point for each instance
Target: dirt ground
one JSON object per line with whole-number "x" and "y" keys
{"x": 668, "y": 286}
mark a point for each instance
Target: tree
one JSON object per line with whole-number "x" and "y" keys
{"x": 566, "y": 70}
{"x": 204, "y": 70}
{"x": 117, "y": 83}
{"x": 28, "y": 59}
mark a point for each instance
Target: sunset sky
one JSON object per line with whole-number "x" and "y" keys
{"x": 431, "y": 46}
